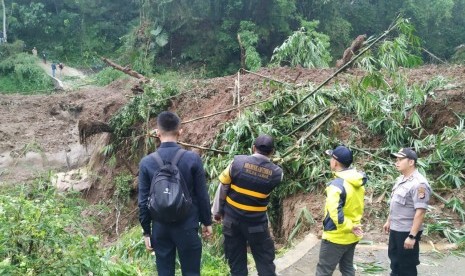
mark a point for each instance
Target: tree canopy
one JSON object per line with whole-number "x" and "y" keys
{"x": 155, "y": 34}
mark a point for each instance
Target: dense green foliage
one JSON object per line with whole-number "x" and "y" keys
{"x": 43, "y": 232}
{"x": 19, "y": 72}
{"x": 107, "y": 76}
{"x": 305, "y": 47}
{"x": 40, "y": 233}
{"x": 152, "y": 35}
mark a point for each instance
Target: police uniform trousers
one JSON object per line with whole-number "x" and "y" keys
{"x": 236, "y": 236}
{"x": 167, "y": 239}
{"x": 403, "y": 261}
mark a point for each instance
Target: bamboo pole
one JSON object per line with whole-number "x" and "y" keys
{"x": 308, "y": 122}
{"x": 316, "y": 127}
{"x": 201, "y": 147}
{"x": 343, "y": 67}
{"x": 434, "y": 56}
{"x": 371, "y": 154}
{"x": 265, "y": 77}
{"x": 192, "y": 146}
{"x": 239, "y": 92}
{"x": 225, "y": 111}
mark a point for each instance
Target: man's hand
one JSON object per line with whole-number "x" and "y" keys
{"x": 357, "y": 230}
{"x": 148, "y": 244}
{"x": 387, "y": 227}
{"x": 409, "y": 243}
{"x": 217, "y": 217}
{"x": 207, "y": 231}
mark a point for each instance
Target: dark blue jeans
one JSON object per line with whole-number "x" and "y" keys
{"x": 167, "y": 240}
{"x": 332, "y": 254}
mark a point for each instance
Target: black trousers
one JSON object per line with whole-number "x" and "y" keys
{"x": 168, "y": 239}
{"x": 236, "y": 236}
{"x": 403, "y": 261}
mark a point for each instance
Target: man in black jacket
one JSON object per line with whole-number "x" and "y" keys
{"x": 244, "y": 195}
{"x": 167, "y": 238}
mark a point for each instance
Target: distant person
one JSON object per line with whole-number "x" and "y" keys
{"x": 54, "y": 68}
{"x": 60, "y": 66}
{"x": 44, "y": 58}
{"x": 165, "y": 238}
{"x": 343, "y": 212}
{"x": 409, "y": 201}
{"x": 34, "y": 52}
{"x": 245, "y": 190}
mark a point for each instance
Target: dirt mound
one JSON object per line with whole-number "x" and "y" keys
{"x": 216, "y": 95}
{"x": 438, "y": 113}
{"x": 39, "y": 132}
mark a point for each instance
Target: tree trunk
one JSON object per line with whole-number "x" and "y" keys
{"x": 4, "y": 21}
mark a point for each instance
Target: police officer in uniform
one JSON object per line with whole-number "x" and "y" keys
{"x": 409, "y": 200}
{"x": 244, "y": 195}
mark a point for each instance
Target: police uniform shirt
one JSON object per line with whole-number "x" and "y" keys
{"x": 408, "y": 194}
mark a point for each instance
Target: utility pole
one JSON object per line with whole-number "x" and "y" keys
{"x": 4, "y": 22}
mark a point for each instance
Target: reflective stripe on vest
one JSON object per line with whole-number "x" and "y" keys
{"x": 248, "y": 192}
{"x": 245, "y": 207}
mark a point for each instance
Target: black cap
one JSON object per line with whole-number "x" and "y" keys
{"x": 342, "y": 154}
{"x": 406, "y": 153}
{"x": 264, "y": 143}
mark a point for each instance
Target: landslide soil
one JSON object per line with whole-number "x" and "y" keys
{"x": 50, "y": 121}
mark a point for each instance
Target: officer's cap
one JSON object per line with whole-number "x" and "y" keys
{"x": 406, "y": 153}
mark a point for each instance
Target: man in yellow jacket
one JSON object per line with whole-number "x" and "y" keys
{"x": 343, "y": 213}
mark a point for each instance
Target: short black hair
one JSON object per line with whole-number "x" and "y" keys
{"x": 168, "y": 121}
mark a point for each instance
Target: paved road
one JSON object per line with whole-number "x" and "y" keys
{"x": 373, "y": 260}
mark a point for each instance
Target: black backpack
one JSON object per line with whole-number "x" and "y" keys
{"x": 169, "y": 199}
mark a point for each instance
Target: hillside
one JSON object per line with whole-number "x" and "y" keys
{"x": 39, "y": 133}
{"x": 45, "y": 126}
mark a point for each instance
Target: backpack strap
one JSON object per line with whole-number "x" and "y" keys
{"x": 158, "y": 159}
{"x": 178, "y": 156}
{"x": 174, "y": 161}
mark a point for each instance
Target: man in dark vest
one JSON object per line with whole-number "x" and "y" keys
{"x": 244, "y": 195}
